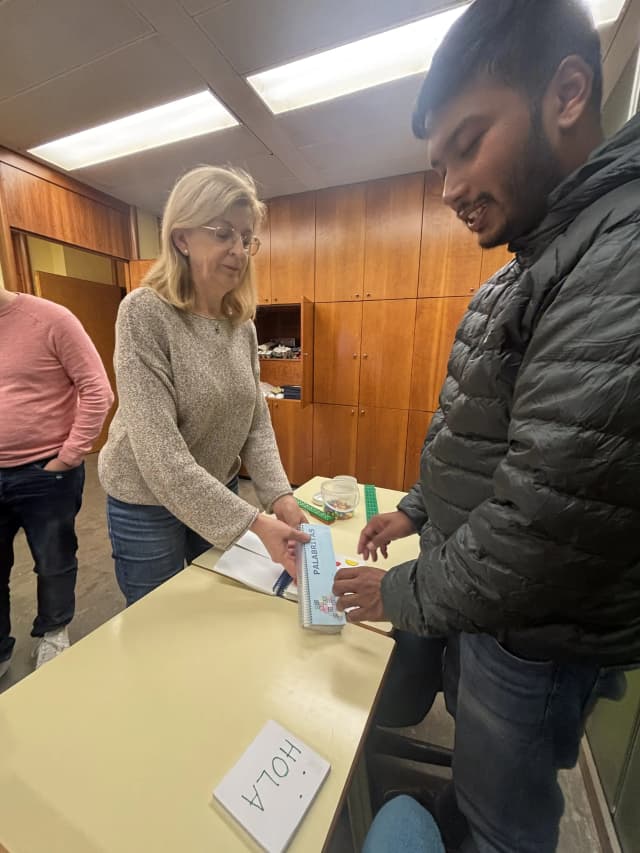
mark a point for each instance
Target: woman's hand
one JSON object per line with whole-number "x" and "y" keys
{"x": 276, "y": 537}
{"x": 286, "y": 509}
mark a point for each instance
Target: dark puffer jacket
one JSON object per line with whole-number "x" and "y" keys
{"x": 529, "y": 497}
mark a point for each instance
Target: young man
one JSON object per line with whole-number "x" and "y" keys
{"x": 528, "y": 505}
{"x": 54, "y": 397}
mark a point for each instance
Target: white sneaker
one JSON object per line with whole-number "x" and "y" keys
{"x": 4, "y": 666}
{"x": 51, "y": 645}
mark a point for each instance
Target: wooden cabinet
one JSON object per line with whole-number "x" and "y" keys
{"x": 436, "y": 324}
{"x": 293, "y": 235}
{"x": 137, "y": 271}
{"x": 493, "y": 260}
{"x": 380, "y": 454}
{"x": 340, "y": 229}
{"x": 450, "y": 258}
{"x": 416, "y": 434}
{"x": 296, "y": 322}
{"x": 392, "y": 237}
{"x": 335, "y": 432}
{"x": 262, "y": 264}
{"x": 366, "y": 442}
{"x": 338, "y": 328}
{"x": 387, "y": 349}
{"x": 293, "y": 428}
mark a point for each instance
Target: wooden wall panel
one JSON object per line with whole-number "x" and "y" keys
{"x": 293, "y": 237}
{"x": 416, "y": 434}
{"x": 262, "y": 264}
{"x": 340, "y": 229}
{"x": 392, "y": 238}
{"x": 382, "y": 440}
{"x": 137, "y": 271}
{"x": 387, "y": 349}
{"x": 493, "y": 260}
{"x": 436, "y": 324}
{"x": 450, "y": 258}
{"x": 335, "y": 430}
{"x": 337, "y": 352}
{"x": 49, "y": 210}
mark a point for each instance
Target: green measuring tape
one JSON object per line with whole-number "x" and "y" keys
{"x": 370, "y": 501}
{"x": 313, "y": 510}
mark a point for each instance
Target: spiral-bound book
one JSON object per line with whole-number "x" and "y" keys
{"x": 316, "y": 569}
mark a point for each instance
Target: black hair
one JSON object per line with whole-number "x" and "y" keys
{"x": 518, "y": 42}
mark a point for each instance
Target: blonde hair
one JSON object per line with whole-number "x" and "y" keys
{"x": 199, "y": 197}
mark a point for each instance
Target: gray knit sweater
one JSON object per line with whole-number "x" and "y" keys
{"x": 190, "y": 407}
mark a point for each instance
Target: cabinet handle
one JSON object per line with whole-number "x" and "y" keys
{"x": 365, "y": 355}
{"x": 353, "y": 411}
{"x": 357, "y": 295}
{"x": 355, "y": 355}
{"x": 362, "y": 411}
{"x": 275, "y": 299}
{"x": 368, "y": 296}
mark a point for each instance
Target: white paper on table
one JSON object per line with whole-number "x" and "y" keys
{"x": 272, "y": 785}
{"x": 253, "y": 570}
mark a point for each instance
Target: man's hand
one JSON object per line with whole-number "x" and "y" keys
{"x": 286, "y": 509}
{"x": 56, "y": 464}
{"x": 359, "y": 590}
{"x": 276, "y": 537}
{"x": 381, "y": 530}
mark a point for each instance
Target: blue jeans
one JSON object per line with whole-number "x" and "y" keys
{"x": 150, "y": 545}
{"x": 403, "y": 826}
{"x": 45, "y": 505}
{"x": 517, "y": 723}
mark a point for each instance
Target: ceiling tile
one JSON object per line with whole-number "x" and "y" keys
{"x": 134, "y": 78}
{"x": 255, "y": 36}
{"x": 60, "y": 35}
{"x": 361, "y": 114}
{"x": 195, "y": 7}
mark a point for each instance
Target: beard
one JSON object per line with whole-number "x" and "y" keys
{"x": 532, "y": 178}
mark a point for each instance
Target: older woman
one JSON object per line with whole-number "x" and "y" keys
{"x": 190, "y": 406}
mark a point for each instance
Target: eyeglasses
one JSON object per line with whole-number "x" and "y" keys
{"x": 227, "y": 235}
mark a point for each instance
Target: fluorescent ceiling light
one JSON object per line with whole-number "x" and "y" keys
{"x": 359, "y": 65}
{"x": 194, "y": 115}
{"x": 371, "y": 61}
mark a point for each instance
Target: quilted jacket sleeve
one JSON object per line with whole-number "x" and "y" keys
{"x": 564, "y": 518}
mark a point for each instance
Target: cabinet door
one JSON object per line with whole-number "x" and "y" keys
{"x": 137, "y": 271}
{"x": 392, "y": 237}
{"x": 262, "y": 264}
{"x": 387, "y": 349}
{"x": 381, "y": 450}
{"x": 293, "y": 426}
{"x": 436, "y": 324}
{"x": 307, "y": 334}
{"x": 493, "y": 260}
{"x": 450, "y": 257}
{"x": 337, "y": 352}
{"x": 293, "y": 237}
{"x": 334, "y": 440}
{"x": 416, "y": 434}
{"x": 340, "y": 225}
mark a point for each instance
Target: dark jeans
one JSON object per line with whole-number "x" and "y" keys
{"x": 517, "y": 723}
{"x": 150, "y": 545}
{"x": 45, "y": 505}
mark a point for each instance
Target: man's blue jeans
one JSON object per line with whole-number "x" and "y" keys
{"x": 45, "y": 505}
{"x": 150, "y": 545}
{"x": 517, "y": 723}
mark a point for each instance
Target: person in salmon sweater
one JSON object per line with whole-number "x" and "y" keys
{"x": 54, "y": 398}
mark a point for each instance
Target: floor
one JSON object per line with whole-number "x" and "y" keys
{"x": 98, "y": 599}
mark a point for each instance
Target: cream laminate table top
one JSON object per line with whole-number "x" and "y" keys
{"x": 115, "y": 746}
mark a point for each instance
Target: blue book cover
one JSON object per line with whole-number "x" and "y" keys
{"x": 316, "y": 570}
